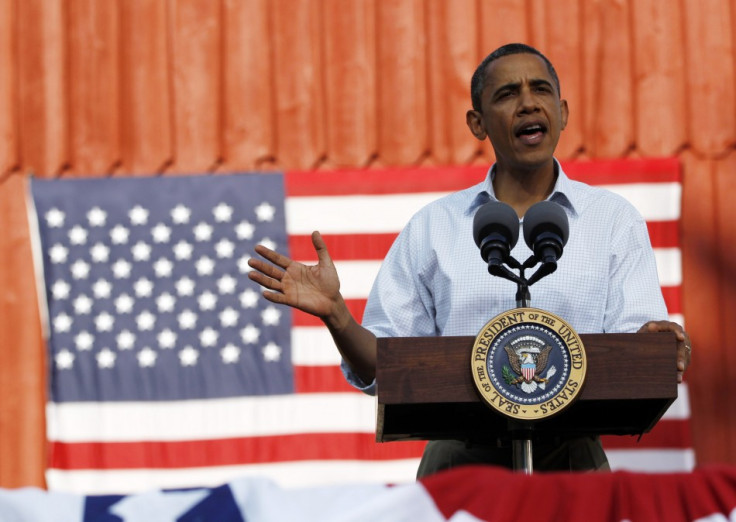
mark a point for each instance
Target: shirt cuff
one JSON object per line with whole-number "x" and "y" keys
{"x": 357, "y": 382}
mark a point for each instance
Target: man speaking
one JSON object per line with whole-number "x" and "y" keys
{"x": 433, "y": 282}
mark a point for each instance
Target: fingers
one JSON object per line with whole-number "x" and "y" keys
{"x": 684, "y": 345}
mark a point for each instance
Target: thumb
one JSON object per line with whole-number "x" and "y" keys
{"x": 321, "y": 248}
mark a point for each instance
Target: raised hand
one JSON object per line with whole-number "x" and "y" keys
{"x": 313, "y": 289}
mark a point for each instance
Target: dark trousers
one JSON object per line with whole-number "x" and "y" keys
{"x": 575, "y": 454}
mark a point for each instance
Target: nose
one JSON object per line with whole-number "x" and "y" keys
{"x": 527, "y": 101}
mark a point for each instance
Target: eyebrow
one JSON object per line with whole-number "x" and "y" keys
{"x": 536, "y": 82}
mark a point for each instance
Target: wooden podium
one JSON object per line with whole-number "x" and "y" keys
{"x": 426, "y": 391}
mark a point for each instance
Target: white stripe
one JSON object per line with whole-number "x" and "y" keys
{"x": 669, "y": 266}
{"x": 289, "y": 474}
{"x": 313, "y": 346}
{"x": 680, "y": 409}
{"x": 654, "y": 201}
{"x": 652, "y": 460}
{"x": 215, "y": 418}
{"x": 354, "y": 214}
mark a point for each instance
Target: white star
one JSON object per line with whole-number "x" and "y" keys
{"x": 119, "y": 235}
{"x": 106, "y": 358}
{"x": 58, "y": 253}
{"x": 226, "y": 284}
{"x": 125, "y": 340}
{"x": 124, "y": 304}
{"x": 223, "y": 213}
{"x": 146, "y": 357}
{"x": 271, "y": 316}
{"x": 248, "y": 298}
{"x": 229, "y": 317}
{"x": 183, "y": 250}
{"x": 102, "y": 289}
{"x": 104, "y": 322}
{"x": 62, "y": 323}
{"x": 141, "y": 251}
{"x": 203, "y": 232}
{"x": 185, "y": 286}
{"x": 204, "y": 266}
{"x": 55, "y": 218}
{"x": 207, "y": 301}
{"x": 96, "y": 217}
{"x": 250, "y": 334}
{"x": 163, "y": 267}
{"x": 208, "y": 337}
{"x": 84, "y": 341}
{"x": 138, "y": 215}
{"x": 82, "y": 305}
{"x": 265, "y": 211}
{"x": 187, "y": 320}
{"x": 143, "y": 287}
{"x": 230, "y": 354}
{"x": 77, "y": 235}
{"x": 121, "y": 269}
{"x": 224, "y": 248}
{"x": 165, "y": 302}
{"x": 244, "y": 230}
{"x": 268, "y": 243}
{"x": 188, "y": 356}
{"x": 161, "y": 233}
{"x": 271, "y": 352}
{"x": 80, "y": 269}
{"x": 100, "y": 253}
{"x": 145, "y": 320}
{"x": 243, "y": 265}
{"x": 60, "y": 290}
{"x": 64, "y": 359}
{"x": 180, "y": 214}
{"x": 166, "y": 339}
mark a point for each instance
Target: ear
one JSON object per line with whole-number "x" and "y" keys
{"x": 565, "y": 113}
{"x": 474, "y": 119}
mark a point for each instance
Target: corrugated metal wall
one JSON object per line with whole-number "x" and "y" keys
{"x": 146, "y": 87}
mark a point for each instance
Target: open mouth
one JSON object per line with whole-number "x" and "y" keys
{"x": 531, "y": 134}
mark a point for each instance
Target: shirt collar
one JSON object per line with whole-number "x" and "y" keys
{"x": 563, "y": 192}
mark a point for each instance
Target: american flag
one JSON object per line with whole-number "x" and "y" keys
{"x": 167, "y": 368}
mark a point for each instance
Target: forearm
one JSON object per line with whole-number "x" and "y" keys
{"x": 356, "y": 344}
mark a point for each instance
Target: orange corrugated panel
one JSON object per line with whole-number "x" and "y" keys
{"x": 298, "y": 83}
{"x": 659, "y": 73}
{"x": 350, "y": 81}
{"x": 145, "y": 92}
{"x": 608, "y": 125}
{"x": 8, "y": 134}
{"x": 403, "y": 135}
{"x": 196, "y": 62}
{"x": 22, "y": 363}
{"x": 42, "y": 91}
{"x": 710, "y": 75}
{"x": 452, "y": 44}
{"x": 249, "y": 120}
{"x": 94, "y": 85}
{"x": 557, "y": 33}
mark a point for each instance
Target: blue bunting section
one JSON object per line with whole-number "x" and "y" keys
{"x": 465, "y": 494}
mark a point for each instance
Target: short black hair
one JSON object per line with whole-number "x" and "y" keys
{"x": 477, "y": 83}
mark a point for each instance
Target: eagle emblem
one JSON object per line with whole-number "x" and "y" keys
{"x": 528, "y": 359}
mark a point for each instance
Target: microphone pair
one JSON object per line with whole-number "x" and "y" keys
{"x": 496, "y": 232}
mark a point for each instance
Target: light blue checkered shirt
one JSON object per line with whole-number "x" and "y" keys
{"x": 433, "y": 281}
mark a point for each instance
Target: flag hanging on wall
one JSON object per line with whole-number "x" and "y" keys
{"x": 167, "y": 368}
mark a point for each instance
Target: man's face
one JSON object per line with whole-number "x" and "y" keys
{"x": 521, "y": 112}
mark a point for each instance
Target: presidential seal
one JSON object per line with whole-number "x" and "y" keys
{"x": 528, "y": 364}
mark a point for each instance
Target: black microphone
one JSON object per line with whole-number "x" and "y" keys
{"x": 545, "y": 231}
{"x": 496, "y": 231}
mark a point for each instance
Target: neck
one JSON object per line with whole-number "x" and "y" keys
{"x": 521, "y": 189}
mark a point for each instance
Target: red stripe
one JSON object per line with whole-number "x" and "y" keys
{"x": 227, "y": 452}
{"x": 666, "y": 434}
{"x": 664, "y": 234}
{"x": 321, "y": 379}
{"x": 382, "y": 181}
{"x": 617, "y": 171}
{"x": 673, "y": 299}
